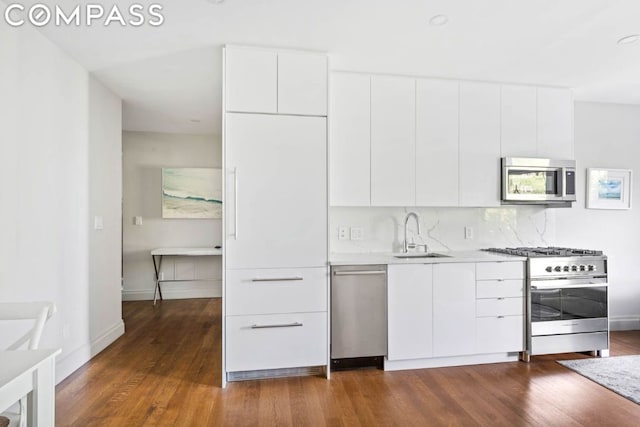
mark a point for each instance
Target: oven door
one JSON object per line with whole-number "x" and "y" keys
{"x": 568, "y": 306}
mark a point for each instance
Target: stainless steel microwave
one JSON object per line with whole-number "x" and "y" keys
{"x": 528, "y": 180}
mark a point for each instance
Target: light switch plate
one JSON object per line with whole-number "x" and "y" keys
{"x": 468, "y": 233}
{"x": 137, "y": 220}
{"x": 357, "y": 233}
{"x": 98, "y": 223}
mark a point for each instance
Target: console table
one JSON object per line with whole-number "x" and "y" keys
{"x": 29, "y": 373}
{"x": 159, "y": 253}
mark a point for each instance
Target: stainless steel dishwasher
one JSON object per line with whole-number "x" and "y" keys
{"x": 358, "y": 315}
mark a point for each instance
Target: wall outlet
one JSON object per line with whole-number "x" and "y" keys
{"x": 468, "y": 233}
{"x": 137, "y": 220}
{"x": 343, "y": 233}
{"x": 357, "y": 233}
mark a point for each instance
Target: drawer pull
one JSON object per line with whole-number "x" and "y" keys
{"x": 358, "y": 272}
{"x": 277, "y": 279}
{"x": 500, "y": 298}
{"x": 500, "y": 317}
{"x": 277, "y": 325}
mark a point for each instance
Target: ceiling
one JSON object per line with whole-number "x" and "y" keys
{"x": 169, "y": 77}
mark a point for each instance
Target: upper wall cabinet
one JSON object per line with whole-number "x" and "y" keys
{"x": 350, "y": 140}
{"x": 537, "y": 122}
{"x": 392, "y": 141}
{"x": 269, "y": 81}
{"x": 251, "y": 77}
{"x": 437, "y": 142}
{"x": 519, "y": 130}
{"x": 479, "y": 144}
{"x": 555, "y": 123}
{"x": 302, "y": 84}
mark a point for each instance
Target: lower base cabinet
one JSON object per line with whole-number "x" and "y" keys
{"x": 410, "y": 312}
{"x": 455, "y": 309}
{"x": 276, "y": 341}
{"x": 500, "y": 334}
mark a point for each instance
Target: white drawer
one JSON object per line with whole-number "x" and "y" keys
{"x": 500, "y": 334}
{"x": 500, "y": 270}
{"x": 499, "y": 307}
{"x": 271, "y": 291}
{"x": 276, "y": 341}
{"x": 500, "y": 288}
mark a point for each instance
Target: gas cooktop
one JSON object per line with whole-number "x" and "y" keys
{"x": 540, "y": 252}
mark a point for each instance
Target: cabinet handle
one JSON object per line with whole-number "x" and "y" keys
{"x": 500, "y": 299}
{"x": 235, "y": 203}
{"x": 358, "y": 272}
{"x": 277, "y": 325}
{"x": 500, "y": 317}
{"x": 277, "y": 279}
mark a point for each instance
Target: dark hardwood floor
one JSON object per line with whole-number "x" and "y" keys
{"x": 166, "y": 371}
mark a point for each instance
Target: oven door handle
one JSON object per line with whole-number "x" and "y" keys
{"x": 566, "y": 284}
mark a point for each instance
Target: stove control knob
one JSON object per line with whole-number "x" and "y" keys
{"x": 583, "y": 267}
{"x": 591, "y": 267}
{"x": 549, "y": 269}
{"x": 566, "y": 268}
{"x": 558, "y": 268}
{"x": 574, "y": 268}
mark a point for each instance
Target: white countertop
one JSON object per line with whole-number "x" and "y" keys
{"x": 388, "y": 258}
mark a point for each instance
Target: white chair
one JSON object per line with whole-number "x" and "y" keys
{"x": 39, "y": 313}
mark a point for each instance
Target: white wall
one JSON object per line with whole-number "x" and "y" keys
{"x": 145, "y": 154}
{"x": 608, "y": 135}
{"x": 48, "y": 131}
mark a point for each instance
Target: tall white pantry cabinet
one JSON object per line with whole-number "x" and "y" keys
{"x": 275, "y": 213}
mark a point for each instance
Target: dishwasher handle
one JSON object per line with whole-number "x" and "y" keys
{"x": 359, "y": 272}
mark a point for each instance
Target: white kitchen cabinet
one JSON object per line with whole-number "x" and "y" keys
{"x": 519, "y": 121}
{"x": 499, "y": 334}
{"x": 454, "y": 309}
{"x": 410, "y": 311}
{"x": 500, "y": 270}
{"x": 271, "y": 81}
{"x": 350, "y": 140}
{"x": 479, "y": 144}
{"x": 276, "y": 341}
{"x": 276, "y": 290}
{"x": 392, "y": 141}
{"x": 555, "y": 123}
{"x": 437, "y": 142}
{"x": 251, "y": 80}
{"x": 500, "y": 292}
{"x": 302, "y": 83}
{"x": 276, "y": 199}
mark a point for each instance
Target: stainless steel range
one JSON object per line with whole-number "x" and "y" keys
{"x": 567, "y": 300}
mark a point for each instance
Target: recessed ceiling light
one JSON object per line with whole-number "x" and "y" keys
{"x": 629, "y": 39}
{"x": 216, "y": 1}
{"x": 438, "y": 20}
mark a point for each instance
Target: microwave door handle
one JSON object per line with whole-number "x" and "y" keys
{"x": 561, "y": 190}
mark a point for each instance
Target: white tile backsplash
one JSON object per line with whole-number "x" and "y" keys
{"x": 443, "y": 229}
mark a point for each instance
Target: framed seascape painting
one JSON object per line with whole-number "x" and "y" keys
{"x": 192, "y": 193}
{"x": 608, "y": 188}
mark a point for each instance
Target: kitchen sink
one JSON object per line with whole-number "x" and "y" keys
{"x": 421, "y": 255}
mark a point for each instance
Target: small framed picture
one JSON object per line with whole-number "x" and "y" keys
{"x": 608, "y": 188}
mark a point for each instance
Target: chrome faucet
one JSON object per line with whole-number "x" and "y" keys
{"x": 411, "y": 245}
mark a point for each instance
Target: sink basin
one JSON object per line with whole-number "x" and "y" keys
{"x": 421, "y": 255}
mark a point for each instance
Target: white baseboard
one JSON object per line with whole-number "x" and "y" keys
{"x": 178, "y": 290}
{"x": 439, "y": 362}
{"x": 72, "y": 361}
{"x": 624, "y": 323}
